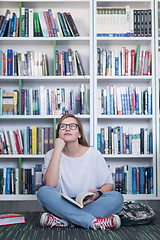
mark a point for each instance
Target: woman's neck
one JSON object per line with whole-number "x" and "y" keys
{"x": 74, "y": 150}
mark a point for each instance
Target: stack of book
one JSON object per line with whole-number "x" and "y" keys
{"x": 20, "y": 181}
{"x": 42, "y": 101}
{"x": 68, "y": 63}
{"x": 123, "y": 140}
{"x": 30, "y": 63}
{"x": 124, "y": 22}
{"x": 37, "y": 24}
{"x": 124, "y": 62}
{"x": 114, "y": 100}
{"x": 33, "y": 63}
{"x": 31, "y": 140}
{"x": 133, "y": 180}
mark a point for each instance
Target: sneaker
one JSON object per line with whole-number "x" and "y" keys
{"x": 111, "y": 222}
{"x": 49, "y": 220}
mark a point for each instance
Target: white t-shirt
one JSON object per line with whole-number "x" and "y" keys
{"x": 89, "y": 171}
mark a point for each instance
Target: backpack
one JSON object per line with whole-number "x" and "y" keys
{"x": 136, "y": 213}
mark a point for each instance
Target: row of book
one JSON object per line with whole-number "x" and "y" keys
{"x": 34, "y": 63}
{"x": 30, "y": 140}
{"x": 127, "y": 180}
{"x": 30, "y": 63}
{"x": 114, "y": 100}
{"x": 68, "y": 63}
{"x": 21, "y": 181}
{"x": 158, "y": 22}
{"x": 37, "y": 24}
{"x": 42, "y": 101}
{"x": 133, "y": 180}
{"x": 125, "y": 140}
{"x": 124, "y": 22}
{"x": 124, "y": 62}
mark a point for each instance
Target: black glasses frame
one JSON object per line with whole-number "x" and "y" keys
{"x": 69, "y": 124}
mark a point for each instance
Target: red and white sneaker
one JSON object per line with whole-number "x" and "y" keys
{"x": 49, "y": 220}
{"x": 111, "y": 222}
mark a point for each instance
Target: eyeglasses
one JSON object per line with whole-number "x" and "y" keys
{"x": 72, "y": 126}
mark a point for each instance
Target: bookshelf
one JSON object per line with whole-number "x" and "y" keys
{"x": 157, "y": 47}
{"x": 81, "y": 12}
{"x": 85, "y": 15}
{"x": 103, "y": 78}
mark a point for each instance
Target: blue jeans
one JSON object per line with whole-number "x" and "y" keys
{"x": 52, "y": 201}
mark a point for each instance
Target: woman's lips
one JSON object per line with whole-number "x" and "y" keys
{"x": 67, "y": 134}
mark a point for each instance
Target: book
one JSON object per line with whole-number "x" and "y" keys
{"x": 11, "y": 218}
{"x": 79, "y": 199}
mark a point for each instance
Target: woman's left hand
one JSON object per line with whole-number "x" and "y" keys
{"x": 91, "y": 199}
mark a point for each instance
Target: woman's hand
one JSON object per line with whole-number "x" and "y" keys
{"x": 59, "y": 144}
{"x": 91, "y": 199}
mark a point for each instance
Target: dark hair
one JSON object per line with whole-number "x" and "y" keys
{"x": 81, "y": 140}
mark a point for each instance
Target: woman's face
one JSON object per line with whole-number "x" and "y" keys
{"x": 69, "y": 130}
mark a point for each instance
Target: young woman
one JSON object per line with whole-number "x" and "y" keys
{"x": 73, "y": 167}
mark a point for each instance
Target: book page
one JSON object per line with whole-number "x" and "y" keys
{"x": 81, "y": 196}
{"x": 79, "y": 199}
{"x": 71, "y": 200}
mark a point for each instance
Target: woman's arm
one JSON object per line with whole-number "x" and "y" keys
{"x": 105, "y": 188}
{"x": 52, "y": 173}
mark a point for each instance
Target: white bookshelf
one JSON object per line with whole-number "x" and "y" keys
{"x": 81, "y": 12}
{"x": 84, "y": 14}
{"x": 146, "y": 121}
{"x": 157, "y": 47}
{"x": 29, "y": 197}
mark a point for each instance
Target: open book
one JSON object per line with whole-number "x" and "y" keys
{"x": 79, "y": 199}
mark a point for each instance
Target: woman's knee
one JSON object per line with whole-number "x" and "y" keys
{"x": 44, "y": 191}
{"x": 116, "y": 197}
{"x": 119, "y": 197}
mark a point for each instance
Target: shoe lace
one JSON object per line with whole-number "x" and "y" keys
{"x": 103, "y": 223}
{"x": 53, "y": 222}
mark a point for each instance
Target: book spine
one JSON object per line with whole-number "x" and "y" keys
{"x": 137, "y": 60}
{"x": 30, "y": 24}
{"x": 26, "y": 22}
{"x": 73, "y": 25}
{"x": 134, "y": 180}
{"x": 52, "y": 23}
{"x": 8, "y": 181}
{"x": 9, "y": 62}
{"x": 62, "y": 24}
{"x": 70, "y": 61}
{"x": 23, "y": 21}
{"x": 5, "y": 23}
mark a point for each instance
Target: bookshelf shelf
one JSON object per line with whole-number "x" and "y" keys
{"x": 23, "y": 156}
{"x": 70, "y": 78}
{"x": 48, "y": 1}
{"x": 123, "y": 1}
{"x": 127, "y": 197}
{"x": 56, "y": 1}
{"x": 124, "y": 78}
{"x": 17, "y": 117}
{"x": 139, "y": 197}
{"x": 128, "y": 156}
{"x": 142, "y": 117}
{"x": 147, "y": 39}
{"x": 18, "y": 197}
{"x": 44, "y": 39}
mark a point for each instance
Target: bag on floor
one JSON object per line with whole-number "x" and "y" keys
{"x": 136, "y": 213}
